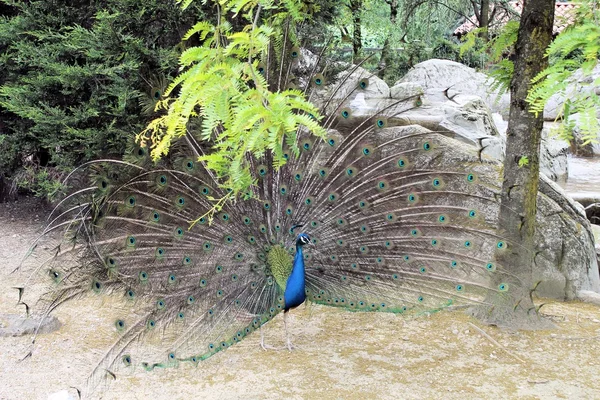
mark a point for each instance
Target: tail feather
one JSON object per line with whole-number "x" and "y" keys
{"x": 401, "y": 221}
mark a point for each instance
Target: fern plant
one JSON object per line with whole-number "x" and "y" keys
{"x": 576, "y": 48}
{"x": 222, "y": 84}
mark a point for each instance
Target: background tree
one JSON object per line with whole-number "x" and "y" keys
{"x": 79, "y": 80}
{"x": 522, "y": 161}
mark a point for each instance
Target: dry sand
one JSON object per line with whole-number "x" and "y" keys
{"x": 341, "y": 355}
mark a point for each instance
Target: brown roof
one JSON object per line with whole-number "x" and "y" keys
{"x": 564, "y": 15}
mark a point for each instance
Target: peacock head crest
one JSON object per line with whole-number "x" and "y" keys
{"x": 302, "y": 239}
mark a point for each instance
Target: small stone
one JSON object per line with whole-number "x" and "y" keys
{"x": 62, "y": 395}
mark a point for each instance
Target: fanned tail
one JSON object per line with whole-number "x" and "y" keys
{"x": 402, "y": 220}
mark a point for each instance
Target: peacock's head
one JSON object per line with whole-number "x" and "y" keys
{"x": 303, "y": 239}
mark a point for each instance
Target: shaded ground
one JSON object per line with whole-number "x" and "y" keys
{"x": 342, "y": 354}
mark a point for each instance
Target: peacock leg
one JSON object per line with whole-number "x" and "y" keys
{"x": 262, "y": 342}
{"x": 287, "y": 335}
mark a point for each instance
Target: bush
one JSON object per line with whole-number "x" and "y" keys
{"x": 78, "y": 80}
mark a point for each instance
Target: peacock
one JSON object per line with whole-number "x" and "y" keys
{"x": 378, "y": 216}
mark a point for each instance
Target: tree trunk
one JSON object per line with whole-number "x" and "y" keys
{"x": 521, "y": 170}
{"x": 385, "y": 59}
{"x": 356, "y": 9}
{"x": 484, "y": 21}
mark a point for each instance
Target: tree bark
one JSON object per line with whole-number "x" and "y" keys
{"x": 356, "y": 9}
{"x": 521, "y": 165}
{"x": 385, "y": 59}
{"x": 484, "y": 21}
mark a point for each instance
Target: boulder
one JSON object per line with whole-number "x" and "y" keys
{"x": 565, "y": 256}
{"x": 579, "y": 83}
{"x": 566, "y": 263}
{"x": 442, "y": 80}
{"x": 578, "y": 145}
{"x": 553, "y": 154}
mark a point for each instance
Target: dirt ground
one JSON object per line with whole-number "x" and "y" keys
{"x": 341, "y": 355}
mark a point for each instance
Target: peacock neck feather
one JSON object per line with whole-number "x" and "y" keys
{"x": 295, "y": 288}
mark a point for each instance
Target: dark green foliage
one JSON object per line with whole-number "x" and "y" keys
{"x": 76, "y": 78}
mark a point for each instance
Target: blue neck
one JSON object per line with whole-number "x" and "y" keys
{"x": 295, "y": 294}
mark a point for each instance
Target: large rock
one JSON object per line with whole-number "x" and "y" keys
{"x": 565, "y": 257}
{"x": 442, "y": 80}
{"x": 578, "y": 84}
{"x": 579, "y": 145}
{"x": 464, "y": 115}
{"x": 567, "y": 262}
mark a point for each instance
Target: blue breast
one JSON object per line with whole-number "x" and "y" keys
{"x": 295, "y": 293}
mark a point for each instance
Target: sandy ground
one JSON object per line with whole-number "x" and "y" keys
{"x": 341, "y": 355}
